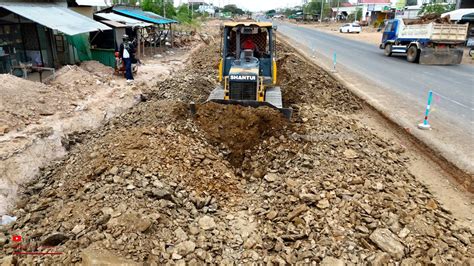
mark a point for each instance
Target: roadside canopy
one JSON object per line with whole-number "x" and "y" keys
{"x": 125, "y": 21}
{"x": 143, "y": 15}
{"x": 465, "y": 14}
{"x": 55, "y": 17}
{"x": 91, "y": 2}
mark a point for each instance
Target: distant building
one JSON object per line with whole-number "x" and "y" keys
{"x": 343, "y": 11}
{"x": 371, "y": 8}
{"x": 409, "y": 9}
{"x": 209, "y": 9}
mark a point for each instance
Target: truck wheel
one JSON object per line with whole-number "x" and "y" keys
{"x": 413, "y": 54}
{"x": 388, "y": 50}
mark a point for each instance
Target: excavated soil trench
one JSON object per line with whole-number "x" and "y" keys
{"x": 237, "y": 184}
{"x": 239, "y": 128}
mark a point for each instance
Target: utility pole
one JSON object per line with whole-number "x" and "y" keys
{"x": 322, "y": 8}
{"x": 356, "y": 11}
{"x": 164, "y": 8}
{"x": 337, "y": 12}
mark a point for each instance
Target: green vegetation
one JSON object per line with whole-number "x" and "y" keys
{"x": 157, "y": 7}
{"x": 436, "y": 8}
{"x": 356, "y": 16}
{"x": 184, "y": 14}
{"x": 232, "y": 9}
{"x": 270, "y": 13}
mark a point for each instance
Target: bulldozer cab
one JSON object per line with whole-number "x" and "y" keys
{"x": 248, "y": 42}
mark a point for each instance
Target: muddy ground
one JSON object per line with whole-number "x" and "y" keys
{"x": 235, "y": 184}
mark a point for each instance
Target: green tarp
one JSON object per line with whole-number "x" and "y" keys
{"x": 82, "y": 45}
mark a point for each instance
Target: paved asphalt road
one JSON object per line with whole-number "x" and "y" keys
{"x": 396, "y": 74}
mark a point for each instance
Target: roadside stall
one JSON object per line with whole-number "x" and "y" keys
{"x": 152, "y": 37}
{"x": 30, "y": 40}
{"x": 105, "y": 44}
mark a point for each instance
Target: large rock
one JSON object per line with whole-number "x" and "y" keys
{"x": 92, "y": 257}
{"x": 331, "y": 261}
{"x": 297, "y": 211}
{"x": 206, "y": 223}
{"x": 3, "y": 239}
{"x": 184, "y": 248}
{"x": 131, "y": 221}
{"x": 388, "y": 242}
{"x": 380, "y": 259}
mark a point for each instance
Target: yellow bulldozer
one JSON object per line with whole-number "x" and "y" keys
{"x": 247, "y": 67}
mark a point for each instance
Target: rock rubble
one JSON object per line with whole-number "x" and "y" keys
{"x": 156, "y": 185}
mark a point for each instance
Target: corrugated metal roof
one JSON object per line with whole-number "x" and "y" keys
{"x": 124, "y": 20}
{"x": 114, "y": 24}
{"x": 91, "y": 2}
{"x": 55, "y": 17}
{"x": 143, "y": 15}
{"x": 374, "y": 2}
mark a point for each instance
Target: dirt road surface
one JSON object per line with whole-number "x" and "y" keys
{"x": 235, "y": 184}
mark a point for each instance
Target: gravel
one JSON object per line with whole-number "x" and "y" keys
{"x": 156, "y": 185}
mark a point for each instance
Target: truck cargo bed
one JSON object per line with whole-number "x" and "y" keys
{"x": 455, "y": 33}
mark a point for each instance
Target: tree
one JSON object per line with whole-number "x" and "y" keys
{"x": 288, "y": 11}
{"x": 183, "y": 14}
{"x": 314, "y": 8}
{"x": 436, "y": 8}
{"x": 232, "y": 9}
{"x": 270, "y": 13}
{"x": 157, "y": 7}
{"x": 357, "y": 15}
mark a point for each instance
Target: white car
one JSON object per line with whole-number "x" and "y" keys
{"x": 350, "y": 27}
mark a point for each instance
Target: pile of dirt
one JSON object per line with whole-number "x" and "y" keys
{"x": 152, "y": 186}
{"x": 24, "y": 102}
{"x": 97, "y": 68}
{"x": 71, "y": 75}
{"x": 429, "y": 18}
{"x": 195, "y": 84}
{"x": 239, "y": 128}
{"x": 301, "y": 84}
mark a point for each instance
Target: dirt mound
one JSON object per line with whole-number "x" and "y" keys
{"x": 302, "y": 82}
{"x": 97, "y": 68}
{"x": 74, "y": 75}
{"x": 428, "y": 18}
{"x": 196, "y": 82}
{"x": 239, "y": 128}
{"x": 23, "y": 102}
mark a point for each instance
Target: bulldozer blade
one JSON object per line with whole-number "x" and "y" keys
{"x": 286, "y": 112}
{"x": 273, "y": 100}
{"x": 445, "y": 56}
{"x": 216, "y": 94}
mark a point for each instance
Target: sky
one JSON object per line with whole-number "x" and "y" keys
{"x": 254, "y": 5}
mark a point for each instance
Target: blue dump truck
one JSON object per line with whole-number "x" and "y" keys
{"x": 433, "y": 44}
